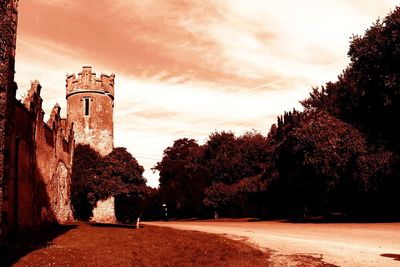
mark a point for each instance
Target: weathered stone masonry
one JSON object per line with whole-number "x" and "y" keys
{"x": 38, "y": 182}
{"x": 40, "y": 169}
{"x": 35, "y": 157}
{"x": 8, "y": 28}
{"x": 90, "y": 104}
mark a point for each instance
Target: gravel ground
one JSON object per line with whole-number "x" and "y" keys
{"x": 344, "y": 244}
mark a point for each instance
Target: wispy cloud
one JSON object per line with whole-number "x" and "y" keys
{"x": 187, "y": 68}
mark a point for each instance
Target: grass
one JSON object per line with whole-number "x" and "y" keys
{"x": 120, "y": 245}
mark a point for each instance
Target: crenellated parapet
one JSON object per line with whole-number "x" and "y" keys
{"x": 87, "y": 81}
{"x": 90, "y": 107}
{"x": 33, "y": 104}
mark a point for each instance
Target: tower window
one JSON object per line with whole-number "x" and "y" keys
{"x": 87, "y": 103}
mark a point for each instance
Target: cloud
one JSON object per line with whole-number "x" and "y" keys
{"x": 188, "y": 68}
{"x": 161, "y": 113}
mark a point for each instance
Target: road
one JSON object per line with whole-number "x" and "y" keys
{"x": 344, "y": 244}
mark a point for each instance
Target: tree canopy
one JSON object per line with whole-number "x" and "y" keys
{"x": 94, "y": 178}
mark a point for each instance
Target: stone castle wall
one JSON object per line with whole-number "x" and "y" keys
{"x": 36, "y": 157}
{"x": 40, "y": 172}
{"x": 8, "y": 29}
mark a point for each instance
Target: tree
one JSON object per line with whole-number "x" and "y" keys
{"x": 121, "y": 174}
{"x": 194, "y": 177}
{"x": 327, "y": 163}
{"x": 367, "y": 93}
{"x": 94, "y": 178}
{"x": 222, "y": 158}
{"x": 235, "y": 165}
{"x": 83, "y": 180}
{"x": 230, "y": 159}
{"x": 122, "y": 178}
{"x": 219, "y": 196}
{"x": 183, "y": 178}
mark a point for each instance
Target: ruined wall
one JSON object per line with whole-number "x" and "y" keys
{"x": 54, "y": 152}
{"x": 93, "y": 124}
{"x": 8, "y": 28}
{"x": 35, "y": 157}
{"x": 40, "y": 170}
{"x": 104, "y": 212}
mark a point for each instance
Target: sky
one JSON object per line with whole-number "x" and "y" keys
{"x": 189, "y": 68}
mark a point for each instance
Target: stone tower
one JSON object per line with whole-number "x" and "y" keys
{"x": 90, "y": 104}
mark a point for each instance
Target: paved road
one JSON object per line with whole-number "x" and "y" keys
{"x": 344, "y": 244}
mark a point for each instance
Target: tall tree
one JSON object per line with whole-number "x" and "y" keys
{"x": 122, "y": 177}
{"x": 121, "y": 174}
{"x": 83, "y": 181}
{"x": 183, "y": 178}
{"x": 235, "y": 165}
{"x": 327, "y": 162}
{"x": 367, "y": 94}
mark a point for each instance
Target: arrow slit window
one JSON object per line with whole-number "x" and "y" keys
{"x": 86, "y": 107}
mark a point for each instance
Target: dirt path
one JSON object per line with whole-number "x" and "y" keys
{"x": 344, "y": 244}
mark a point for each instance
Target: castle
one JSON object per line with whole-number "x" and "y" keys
{"x": 90, "y": 104}
{"x": 36, "y": 156}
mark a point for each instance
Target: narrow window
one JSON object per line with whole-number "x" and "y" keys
{"x": 87, "y": 101}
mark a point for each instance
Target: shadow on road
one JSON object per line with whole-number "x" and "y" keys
{"x": 342, "y": 219}
{"x": 395, "y": 257}
{"x": 221, "y": 219}
{"x": 18, "y": 246}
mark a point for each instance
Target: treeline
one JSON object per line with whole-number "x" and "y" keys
{"x": 340, "y": 155}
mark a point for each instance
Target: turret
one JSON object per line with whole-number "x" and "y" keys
{"x": 90, "y": 103}
{"x": 87, "y": 81}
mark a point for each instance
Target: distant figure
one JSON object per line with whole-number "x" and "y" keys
{"x": 166, "y": 211}
{"x": 215, "y": 215}
{"x": 138, "y": 223}
{"x": 305, "y": 214}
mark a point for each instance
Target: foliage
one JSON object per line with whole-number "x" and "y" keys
{"x": 194, "y": 177}
{"x": 233, "y": 162}
{"x": 326, "y": 157}
{"x": 182, "y": 178}
{"x": 367, "y": 93}
{"x": 230, "y": 159}
{"x": 120, "y": 174}
{"x": 219, "y": 195}
{"x": 94, "y": 178}
{"x": 84, "y": 175}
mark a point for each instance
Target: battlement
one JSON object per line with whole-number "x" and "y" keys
{"x": 87, "y": 81}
